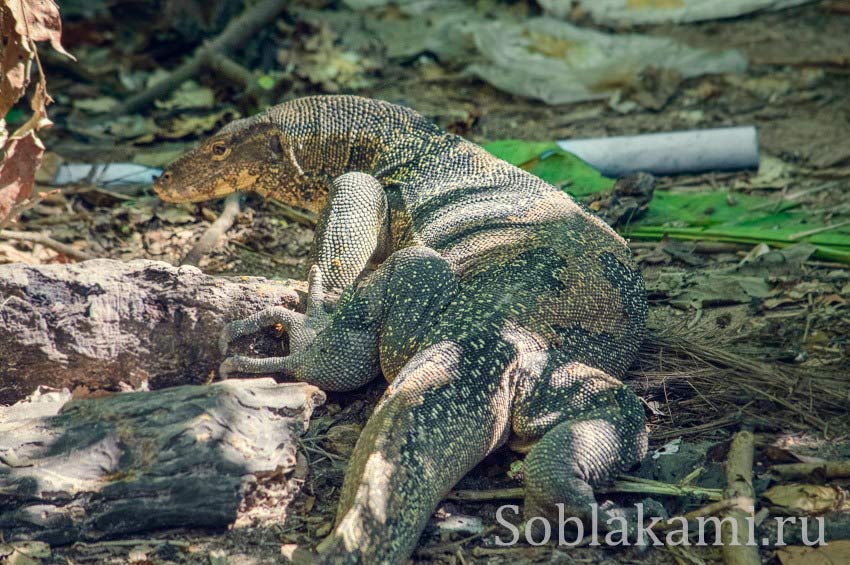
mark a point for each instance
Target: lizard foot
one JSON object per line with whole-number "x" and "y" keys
{"x": 302, "y": 330}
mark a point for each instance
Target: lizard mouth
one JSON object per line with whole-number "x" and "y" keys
{"x": 184, "y": 193}
{"x": 171, "y": 191}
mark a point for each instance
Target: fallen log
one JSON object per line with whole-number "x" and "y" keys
{"x": 109, "y": 325}
{"x": 88, "y": 469}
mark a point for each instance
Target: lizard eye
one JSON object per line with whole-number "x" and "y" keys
{"x": 219, "y": 150}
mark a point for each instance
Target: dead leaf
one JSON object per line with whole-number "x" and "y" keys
{"x": 804, "y": 500}
{"x": 24, "y": 552}
{"x": 17, "y": 171}
{"x": 832, "y": 299}
{"x": 325, "y": 63}
{"x": 836, "y": 552}
{"x": 194, "y": 126}
{"x": 38, "y": 20}
{"x": 175, "y": 215}
{"x": 21, "y": 24}
{"x": 50, "y": 163}
{"x": 99, "y": 105}
{"x": 341, "y": 439}
{"x": 15, "y": 60}
{"x": 38, "y": 104}
{"x": 806, "y": 288}
{"x": 820, "y": 139}
{"x": 190, "y": 95}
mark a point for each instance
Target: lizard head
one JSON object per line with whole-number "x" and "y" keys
{"x": 245, "y": 155}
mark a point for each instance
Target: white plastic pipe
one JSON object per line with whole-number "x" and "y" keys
{"x": 105, "y": 174}
{"x": 692, "y": 151}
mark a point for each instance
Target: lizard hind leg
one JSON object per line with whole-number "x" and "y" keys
{"x": 584, "y": 426}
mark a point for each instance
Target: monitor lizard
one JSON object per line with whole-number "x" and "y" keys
{"x": 502, "y": 311}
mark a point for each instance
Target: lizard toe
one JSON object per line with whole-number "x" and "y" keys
{"x": 224, "y": 340}
{"x": 227, "y": 368}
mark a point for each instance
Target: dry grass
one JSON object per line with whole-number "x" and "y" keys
{"x": 706, "y": 382}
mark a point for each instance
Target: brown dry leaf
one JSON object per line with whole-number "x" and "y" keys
{"x": 38, "y": 20}
{"x": 38, "y": 104}
{"x": 195, "y": 125}
{"x": 340, "y": 439}
{"x": 329, "y": 65}
{"x": 15, "y": 59}
{"x": 835, "y": 552}
{"x": 820, "y": 139}
{"x": 17, "y": 171}
{"x": 804, "y": 500}
{"x": 22, "y": 23}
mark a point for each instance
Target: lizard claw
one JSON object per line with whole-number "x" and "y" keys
{"x": 227, "y": 367}
{"x": 302, "y": 330}
{"x": 254, "y": 365}
{"x": 224, "y": 340}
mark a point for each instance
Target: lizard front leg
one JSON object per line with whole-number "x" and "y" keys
{"x": 301, "y": 328}
{"x": 350, "y": 231}
{"x": 336, "y": 352}
{"x": 385, "y": 314}
{"x": 352, "y": 228}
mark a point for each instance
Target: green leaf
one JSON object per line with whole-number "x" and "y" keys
{"x": 266, "y": 82}
{"x": 552, "y": 164}
{"x": 709, "y": 216}
{"x": 678, "y": 209}
{"x": 14, "y": 116}
{"x": 740, "y": 218}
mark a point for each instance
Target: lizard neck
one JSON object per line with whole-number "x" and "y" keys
{"x": 323, "y": 137}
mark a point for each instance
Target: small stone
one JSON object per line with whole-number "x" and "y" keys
{"x": 323, "y": 530}
{"x": 218, "y": 557}
{"x": 342, "y": 438}
{"x": 138, "y": 554}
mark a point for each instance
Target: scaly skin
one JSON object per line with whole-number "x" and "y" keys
{"x": 503, "y": 312}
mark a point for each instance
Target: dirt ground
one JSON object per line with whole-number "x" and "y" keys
{"x": 796, "y": 92}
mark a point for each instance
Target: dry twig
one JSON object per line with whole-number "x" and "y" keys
{"x": 827, "y": 469}
{"x": 42, "y": 239}
{"x": 739, "y": 482}
{"x": 307, "y": 219}
{"x": 214, "y": 232}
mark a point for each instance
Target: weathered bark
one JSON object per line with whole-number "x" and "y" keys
{"x": 184, "y": 456}
{"x": 97, "y": 324}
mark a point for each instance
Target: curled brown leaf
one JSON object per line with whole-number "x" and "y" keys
{"x": 38, "y": 20}
{"x": 17, "y": 172}
{"x": 22, "y": 24}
